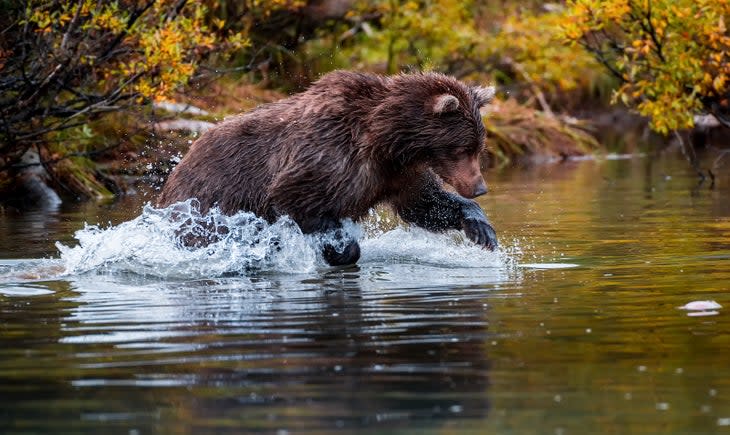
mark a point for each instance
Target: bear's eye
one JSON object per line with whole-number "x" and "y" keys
{"x": 462, "y": 151}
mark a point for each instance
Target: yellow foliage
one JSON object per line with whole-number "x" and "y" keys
{"x": 533, "y": 42}
{"x": 463, "y": 37}
{"x": 158, "y": 51}
{"x": 423, "y": 32}
{"x": 671, "y": 54}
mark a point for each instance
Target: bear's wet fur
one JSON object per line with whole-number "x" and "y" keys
{"x": 350, "y": 141}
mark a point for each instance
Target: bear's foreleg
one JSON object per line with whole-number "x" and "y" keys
{"x": 338, "y": 247}
{"x": 427, "y": 205}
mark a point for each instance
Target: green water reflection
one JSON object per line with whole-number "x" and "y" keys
{"x": 600, "y": 347}
{"x": 603, "y": 348}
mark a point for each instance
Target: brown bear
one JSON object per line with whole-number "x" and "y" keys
{"x": 350, "y": 141}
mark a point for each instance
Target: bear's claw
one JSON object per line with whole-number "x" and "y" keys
{"x": 480, "y": 232}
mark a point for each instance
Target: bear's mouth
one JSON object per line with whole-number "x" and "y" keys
{"x": 469, "y": 188}
{"x": 468, "y": 191}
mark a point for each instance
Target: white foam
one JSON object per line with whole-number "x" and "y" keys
{"x": 152, "y": 244}
{"x": 416, "y": 245}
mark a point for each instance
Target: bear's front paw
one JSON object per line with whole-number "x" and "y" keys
{"x": 349, "y": 255}
{"x": 480, "y": 232}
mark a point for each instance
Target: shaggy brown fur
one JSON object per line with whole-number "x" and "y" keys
{"x": 349, "y": 142}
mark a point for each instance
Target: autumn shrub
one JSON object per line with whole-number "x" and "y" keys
{"x": 671, "y": 56}
{"x": 66, "y": 63}
{"x": 527, "y": 52}
{"x": 504, "y": 41}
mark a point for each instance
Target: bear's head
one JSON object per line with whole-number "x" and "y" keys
{"x": 433, "y": 121}
{"x": 458, "y": 139}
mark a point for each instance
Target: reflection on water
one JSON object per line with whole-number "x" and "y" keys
{"x": 576, "y": 327}
{"x": 343, "y": 348}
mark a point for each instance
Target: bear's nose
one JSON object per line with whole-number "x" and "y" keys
{"x": 480, "y": 189}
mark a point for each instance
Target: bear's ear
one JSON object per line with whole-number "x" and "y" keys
{"x": 445, "y": 103}
{"x": 484, "y": 94}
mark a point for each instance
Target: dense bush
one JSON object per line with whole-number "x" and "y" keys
{"x": 670, "y": 55}
{"x": 66, "y": 62}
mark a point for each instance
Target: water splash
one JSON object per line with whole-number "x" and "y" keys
{"x": 416, "y": 245}
{"x": 180, "y": 242}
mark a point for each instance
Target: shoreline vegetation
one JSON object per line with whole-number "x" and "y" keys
{"x": 96, "y": 99}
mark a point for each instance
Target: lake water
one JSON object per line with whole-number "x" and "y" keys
{"x": 574, "y": 327}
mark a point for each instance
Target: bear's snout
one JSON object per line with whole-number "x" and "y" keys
{"x": 477, "y": 187}
{"x": 466, "y": 177}
{"x": 481, "y": 188}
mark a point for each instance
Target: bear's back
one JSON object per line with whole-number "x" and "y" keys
{"x": 284, "y": 145}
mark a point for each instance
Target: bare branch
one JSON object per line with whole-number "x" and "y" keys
{"x": 133, "y": 17}
{"x": 71, "y": 26}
